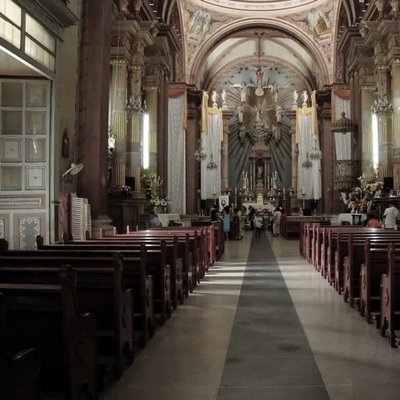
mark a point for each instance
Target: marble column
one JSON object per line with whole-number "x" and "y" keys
{"x": 395, "y": 73}
{"x": 226, "y": 117}
{"x": 118, "y": 96}
{"x": 94, "y": 103}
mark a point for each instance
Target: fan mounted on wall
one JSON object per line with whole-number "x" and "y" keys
{"x": 73, "y": 169}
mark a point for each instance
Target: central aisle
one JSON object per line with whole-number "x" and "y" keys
{"x": 268, "y": 356}
{"x": 263, "y": 325}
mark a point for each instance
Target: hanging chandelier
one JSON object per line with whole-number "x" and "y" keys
{"x": 212, "y": 164}
{"x": 316, "y": 154}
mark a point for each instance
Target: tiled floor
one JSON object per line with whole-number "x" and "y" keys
{"x": 263, "y": 325}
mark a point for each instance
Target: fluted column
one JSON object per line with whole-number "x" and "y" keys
{"x": 118, "y": 96}
{"x": 151, "y": 87}
{"x": 133, "y": 144}
{"x": 226, "y": 117}
{"x": 366, "y": 100}
{"x": 395, "y": 72}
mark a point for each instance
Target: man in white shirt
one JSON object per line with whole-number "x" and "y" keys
{"x": 390, "y": 216}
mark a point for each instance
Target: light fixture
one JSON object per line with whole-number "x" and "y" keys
{"x": 212, "y": 164}
{"x": 316, "y": 154}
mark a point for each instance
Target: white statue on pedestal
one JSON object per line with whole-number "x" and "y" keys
{"x": 214, "y": 98}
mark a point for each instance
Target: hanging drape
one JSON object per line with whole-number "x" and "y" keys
{"x": 343, "y": 146}
{"x": 211, "y": 137}
{"x": 341, "y": 103}
{"x": 309, "y": 170}
{"x": 177, "y": 154}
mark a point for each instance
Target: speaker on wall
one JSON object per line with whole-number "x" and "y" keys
{"x": 388, "y": 183}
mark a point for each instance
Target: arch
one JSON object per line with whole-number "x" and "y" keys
{"x": 251, "y": 23}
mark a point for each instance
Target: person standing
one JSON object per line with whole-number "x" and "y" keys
{"x": 258, "y": 223}
{"x": 277, "y": 222}
{"x": 226, "y": 219}
{"x": 390, "y": 216}
{"x": 214, "y": 213}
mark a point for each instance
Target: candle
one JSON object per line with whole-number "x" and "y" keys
{"x": 303, "y": 190}
{"x": 214, "y": 189}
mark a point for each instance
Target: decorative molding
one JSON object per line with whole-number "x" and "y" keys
{"x": 22, "y": 202}
{"x": 4, "y": 226}
{"x": 27, "y": 227}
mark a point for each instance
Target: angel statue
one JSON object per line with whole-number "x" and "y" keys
{"x": 214, "y": 98}
{"x": 304, "y": 97}
{"x": 295, "y": 96}
{"x": 223, "y": 97}
{"x": 243, "y": 91}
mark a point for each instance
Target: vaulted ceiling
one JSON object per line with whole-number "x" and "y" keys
{"x": 225, "y": 40}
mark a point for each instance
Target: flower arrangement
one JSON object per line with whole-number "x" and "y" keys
{"x": 163, "y": 202}
{"x": 152, "y": 184}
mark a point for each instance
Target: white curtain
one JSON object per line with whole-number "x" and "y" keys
{"x": 176, "y": 155}
{"x": 342, "y": 106}
{"x": 343, "y": 146}
{"x": 309, "y": 179}
{"x": 211, "y": 142}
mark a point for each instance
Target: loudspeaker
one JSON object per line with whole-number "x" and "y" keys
{"x": 130, "y": 181}
{"x": 387, "y": 183}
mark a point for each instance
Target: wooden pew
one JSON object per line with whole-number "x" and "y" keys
{"x": 46, "y": 317}
{"x": 19, "y": 372}
{"x": 355, "y": 257}
{"x": 375, "y": 264}
{"x": 390, "y": 297}
{"x": 136, "y": 277}
{"x": 195, "y": 247}
{"x": 170, "y": 248}
{"x": 100, "y": 291}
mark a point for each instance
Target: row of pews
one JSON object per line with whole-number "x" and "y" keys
{"x": 73, "y": 315}
{"x": 363, "y": 266}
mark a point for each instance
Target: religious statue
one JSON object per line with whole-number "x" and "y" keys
{"x": 259, "y": 73}
{"x": 259, "y": 171}
{"x": 295, "y": 96}
{"x": 243, "y": 91}
{"x": 278, "y": 113}
{"x": 244, "y": 180}
{"x": 239, "y": 112}
{"x": 274, "y": 177}
{"x": 214, "y": 98}
{"x": 223, "y": 97}
{"x": 304, "y": 97}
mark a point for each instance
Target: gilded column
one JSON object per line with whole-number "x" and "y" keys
{"x": 226, "y": 116}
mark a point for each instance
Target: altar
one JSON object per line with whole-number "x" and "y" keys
{"x": 165, "y": 219}
{"x": 259, "y": 206}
